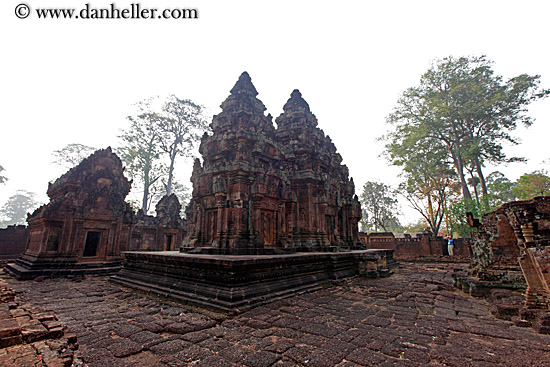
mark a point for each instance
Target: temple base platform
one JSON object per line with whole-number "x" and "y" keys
{"x": 235, "y": 283}
{"x": 26, "y": 267}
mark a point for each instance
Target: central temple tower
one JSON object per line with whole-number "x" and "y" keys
{"x": 260, "y": 187}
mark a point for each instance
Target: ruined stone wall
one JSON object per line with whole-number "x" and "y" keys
{"x": 12, "y": 241}
{"x": 418, "y": 246}
{"x": 515, "y": 237}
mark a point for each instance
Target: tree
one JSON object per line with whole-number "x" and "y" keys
{"x": 379, "y": 207}
{"x": 428, "y": 179}
{"x": 428, "y": 192}
{"x": 3, "y": 179}
{"x": 500, "y": 190}
{"x": 17, "y": 206}
{"x": 532, "y": 184}
{"x": 417, "y": 226}
{"x": 71, "y": 155}
{"x": 141, "y": 151}
{"x": 181, "y": 126}
{"x": 464, "y": 110}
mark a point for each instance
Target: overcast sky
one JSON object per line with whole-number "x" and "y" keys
{"x": 75, "y": 81}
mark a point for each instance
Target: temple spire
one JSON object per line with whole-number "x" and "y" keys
{"x": 244, "y": 85}
{"x": 296, "y": 112}
{"x": 296, "y": 103}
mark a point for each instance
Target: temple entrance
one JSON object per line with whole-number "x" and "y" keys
{"x": 169, "y": 242}
{"x": 92, "y": 242}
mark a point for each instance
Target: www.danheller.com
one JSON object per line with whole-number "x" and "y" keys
{"x": 132, "y": 11}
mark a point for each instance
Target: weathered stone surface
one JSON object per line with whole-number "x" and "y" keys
{"x": 291, "y": 332}
{"x": 31, "y": 337}
{"x": 260, "y": 187}
{"x": 84, "y": 227}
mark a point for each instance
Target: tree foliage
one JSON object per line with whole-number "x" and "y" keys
{"x": 156, "y": 137}
{"x": 532, "y": 184}
{"x": 448, "y": 127}
{"x": 181, "y": 126}
{"x": 15, "y": 210}
{"x": 71, "y": 155}
{"x": 141, "y": 151}
{"x": 379, "y": 207}
{"x": 3, "y": 179}
{"x": 500, "y": 190}
{"x": 463, "y": 110}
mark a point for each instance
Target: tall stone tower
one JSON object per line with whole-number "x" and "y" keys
{"x": 260, "y": 187}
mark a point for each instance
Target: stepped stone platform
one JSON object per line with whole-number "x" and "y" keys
{"x": 27, "y": 267}
{"x": 235, "y": 283}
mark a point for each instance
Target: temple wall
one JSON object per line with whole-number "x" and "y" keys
{"x": 13, "y": 240}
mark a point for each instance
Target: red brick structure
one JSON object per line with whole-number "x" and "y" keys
{"x": 12, "y": 241}
{"x": 164, "y": 232}
{"x": 86, "y": 224}
{"x": 263, "y": 187}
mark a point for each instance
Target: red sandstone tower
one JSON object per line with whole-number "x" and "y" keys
{"x": 260, "y": 187}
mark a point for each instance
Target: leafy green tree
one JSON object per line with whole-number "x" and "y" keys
{"x": 462, "y": 109}
{"x": 16, "y": 208}
{"x": 532, "y": 184}
{"x": 428, "y": 195}
{"x": 181, "y": 126}
{"x": 71, "y": 155}
{"x": 379, "y": 206}
{"x": 428, "y": 179}
{"x": 3, "y": 179}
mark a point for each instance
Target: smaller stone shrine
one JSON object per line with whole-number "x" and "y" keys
{"x": 511, "y": 249}
{"x": 84, "y": 227}
{"x": 164, "y": 232}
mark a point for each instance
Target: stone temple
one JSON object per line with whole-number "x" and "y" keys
{"x": 262, "y": 187}
{"x": 273, "y": 213}
{"x": 84, "y": 227}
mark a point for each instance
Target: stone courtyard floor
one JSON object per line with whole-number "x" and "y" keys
{"x": 413, "y": 318}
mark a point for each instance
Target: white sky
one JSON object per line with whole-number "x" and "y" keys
{"x": 75, "y": 81}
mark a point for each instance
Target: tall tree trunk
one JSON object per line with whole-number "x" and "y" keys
{"x": 482, "y": 181}
{"x": 474, "y": 185}
{"x": 457, "y": 157}
{"x": 459, "y": 166}
{"x": 146, "y": 185}
{"x": 171, "y": 171}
